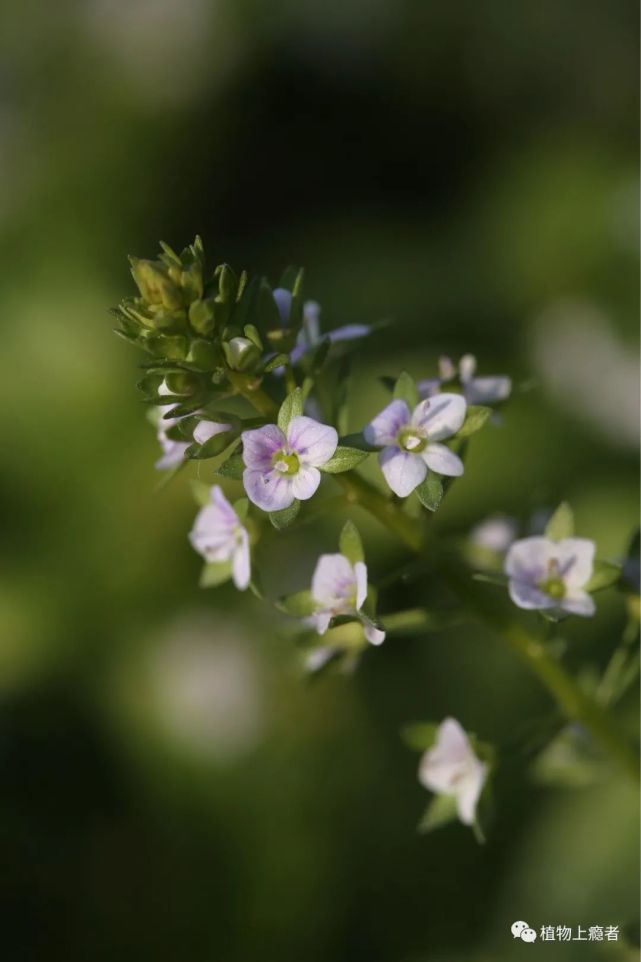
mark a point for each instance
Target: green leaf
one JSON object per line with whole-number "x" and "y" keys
{"x": 241, "y": 507}
{"x": 405, "y": 390}
{"x": 490, "y": 578}
{"x": 604, "y": 574}
{"x": 475, "y": 419}
{"x": 300, "y": 605}
{"x": 291, "y": 407}
{"x": 232, "y": 468}
{"x": 350, "y": 543}
{"x": 201, "y": 492}
{"x": 419, "y": 736}
{"x": 215, "y": 573}
{"x": 278, "y": 361}
{"x": 283, "y": 519}
{"x": 440, "y": 811}
{"x": 561, "y": 524}
{"x": 212, "y": 447}
{"x": 344, "y": 459}
{"x": 430, "y": 491}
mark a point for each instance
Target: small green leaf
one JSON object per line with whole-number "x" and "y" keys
{"x": 440, "y": 811}
{"x": 430, "y": 491}
{"x": 419, "y": 736}
{"x": 283, "y": 519}
{"x": 344, "y": 459}
{"x": 475, "y": 419}
{"x": 215, "y": 573}
{"x": 604, "y": 574}
{"x": 561, "y": 524}
{"x": 278, "y": 361}
{"x": 212, "y": 447}
{"x": 232, "y": 468}
{"x": 405, "y": 390}
{"x": 350, "y": 543}
{"x": 291, "y": 407}
{"x": 241, "y": 507}
{"x": 301, "y": 604}
{"x": 201, "y": 492}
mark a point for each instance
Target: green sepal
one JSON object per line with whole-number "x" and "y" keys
{"x": 278, "y": 361}
{"x": 344, "y": 459}
{"x": 441, "y": 810}
{"x": 475, "y": 418}
{"x": 291, "y": 407}
{"x": 283, "y": 519}
{"x": 350, "y": 544}
{"x": 419, "y": 736}
{"x": 405, "y": 390}
{"x": 561, "y": 524}
{"x": 241, "y": 507}
{"x": 201, "y": 492}
{"x": 490, "y": 578}
{"x": 430, "y": 491}
{"x": 300, "y": 605}
{"x": 232, "y": 468}
{"x": 604, "y": 574}
{"x": 215, "y": 573}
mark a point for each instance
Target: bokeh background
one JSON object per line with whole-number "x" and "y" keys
{"x": 170, "y": 788}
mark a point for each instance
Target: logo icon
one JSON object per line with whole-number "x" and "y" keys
{"x": 522, "y": 931}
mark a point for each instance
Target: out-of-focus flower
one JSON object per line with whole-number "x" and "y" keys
{"x": 173, "y": 451}
{"x": 495, "y": 534}
{"x": 410, "y": 440}
{"x": 476, "y": 390}
{"x": 205, "y": 430}
{"x": 546, "y": 574}
{"x": 450, "y": 767}
{"x": 310, "y": 333}
{"x": 340, "y": 588}
{"x": 218, "y": 535}
{"x": 280, "y": 468}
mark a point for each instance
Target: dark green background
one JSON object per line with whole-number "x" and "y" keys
{"x": 169, "y": 789}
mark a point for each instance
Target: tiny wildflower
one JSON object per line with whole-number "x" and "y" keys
{"x": 340, "y": 588}
{"x": 219, "y": 536}
{"x": 451, "y": 767}
{"x": 280, "y": 468}
{"x": 173, "y": 452}
{"x": 476, "y": 390}
{"x": 546, "y": 574}
{"x": 410, "y": 440}
{"x": 310, "y": 333}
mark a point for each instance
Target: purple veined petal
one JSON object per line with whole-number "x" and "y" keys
{"x": 241, "y": 565}
{"x": 283, "y": 299}
{"x": 222, "y": 504}
{"x": 440, "y": 417}
{"x": 529, "y": 558}
{"x": 384, "y": 428}
{"x": 575, "y": 558}
{"x": 440, "y": 459}
{"x": 360, "y": 572}
{"x": 487, "y": 390}
{"x": 374, "y": 635}
{"x": 403, "y": 471}
{"x": 334, "y": 582}
{"x": 526, "y": 595}
{"x": 466, "y": 368}
{"x": 205, "y": 430}
{"x": 469, "y": 791}
{"x": 268, "y": 490}
{"x": 578, "y": 602}
{"x": 213, "y": 535}
{"x": 260, "y": 445}
{"x": 314, "y": 443}
{"x": 349, "y": 332}
{"x": 305, "y": 482}
{"x": 428, "y": 387}
{"x": 320, "y": 620}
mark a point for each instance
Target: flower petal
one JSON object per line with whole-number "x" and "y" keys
{"x": 403, "y": 471}
{"x": 241, "y": 568}
{"x": 528, "y": 558}
{"x": 487, "y": 390}
{"x": 467, "y": 368}
{"x": 576, "y": 560}
{"x": 213, "y": 534}
{"x": 334, "y": 582}
{"x": 305, "y": 482}
{"x": 386, "y": 425}
{"x": 577, "y": 602}
{"x": 526, "y": 595}
{"x": 260, "y": 445}
{"x": 440, "y": 459}
{"x": 205, "y": 430}
{"x": 320, "y": 620}
{"x": 314, "y": 443}
{"x": 269, "y": 490}
{"x": 283, "y": 299}
{"x": 374, "y": 635}
{"x": 349, "y": 332}
{"x": 441, "y": 416}
{"x": 428, "y": 387}
{"x": 360, "y": 571}
{"x": 173, "y": 454}
{"x": 469, "y": 792}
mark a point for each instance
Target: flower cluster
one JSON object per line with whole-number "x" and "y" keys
{"x": 242, "y": 377}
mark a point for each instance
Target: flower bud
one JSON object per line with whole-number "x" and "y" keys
{"x": 155, "y": 285}
{"x": 241, "y": 354}
{"x": 182, "y": 383}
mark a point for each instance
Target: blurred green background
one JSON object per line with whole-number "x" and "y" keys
{"x": 170, "y": 788}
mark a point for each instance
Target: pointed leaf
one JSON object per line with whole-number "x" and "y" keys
{"x": 440, "y": 811}
{"x": 301, "y": 604}
{"x": 215, "y": 573}
{"x": 430, "y": 491}
{"x": 604, "y": 574}
{"x": 283, "y": 519}
{"x": 475, "y": 418}
{"x": 350, "y": 543}
{"x": 419, "y": 736}
{"x": 405, "y": 390}
{"x": 561, "y": 524}
{"x": 232, "y": 468}
{"x": 291, "y": 407}
{"x": 344, "y": 459}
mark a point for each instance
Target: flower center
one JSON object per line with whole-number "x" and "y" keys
{"x": 553, "y": 585}
{"x": 286, "y": 463}
{"x": 410, "y": 440}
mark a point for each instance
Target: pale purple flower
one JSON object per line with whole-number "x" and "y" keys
{"x": 546, "y": 574}
{"x": 451, "y": 767}
{"x": 310, "y": 334}
{"x": 218, "y": 535}
{"x": 173, "y": 452}
{"x": 476, "y": 390}
{"x": 410, "y": 440}
{"x": 280, "y": 468}
{"x": 340, "y": 588}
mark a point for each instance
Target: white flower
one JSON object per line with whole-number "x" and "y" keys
{"x": 410, "y": 440}
{"x": 450, "y": 767}
{"x": 476, "y": 390}
{"x": 218, "y": 535}
{"x": 551, "y": 574}
{"x": 340, "y": 588}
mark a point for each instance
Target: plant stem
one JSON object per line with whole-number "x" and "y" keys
{"x": 359, "y": 491}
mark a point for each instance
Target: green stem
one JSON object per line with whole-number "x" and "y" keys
{"x": 251, "y": 390}
{"x": 359, "y": 491}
